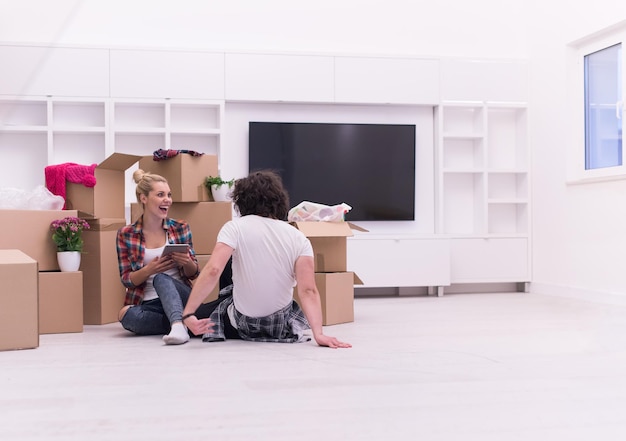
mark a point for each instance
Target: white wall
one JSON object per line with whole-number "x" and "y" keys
{"x": 578, "y": 237}
{"x": 577, "y": 230}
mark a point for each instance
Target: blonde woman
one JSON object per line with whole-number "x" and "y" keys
{"x": 157, "y": 287}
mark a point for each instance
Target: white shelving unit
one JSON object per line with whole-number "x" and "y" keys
{"x": 36, "y": 132}
{"x": 141, "y": 127}
{"x": 483, "y": 190}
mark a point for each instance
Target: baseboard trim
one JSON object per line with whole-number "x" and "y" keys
{"x": 613, "y": 298}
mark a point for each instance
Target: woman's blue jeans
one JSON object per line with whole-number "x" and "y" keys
{"x": 155, "y": 316}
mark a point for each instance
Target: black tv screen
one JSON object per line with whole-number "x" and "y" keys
{"x": 370, "y": 167}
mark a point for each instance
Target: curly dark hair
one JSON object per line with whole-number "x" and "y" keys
{"x": 261, "y": 193}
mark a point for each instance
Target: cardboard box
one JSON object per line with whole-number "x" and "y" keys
{"x": 202, "y": 261}
{"x": 329, "y": 241}
{"x": 337, "y": 296}
{"x": 19, "y": 322}
{"x": 60, "y": 302}
{"x": 107, "y": 198}
{"x": 103, "y": 292}
{"x": 185, "y": 174}
{"x": 30, "y": 233}
{"x": 204, "y": 218}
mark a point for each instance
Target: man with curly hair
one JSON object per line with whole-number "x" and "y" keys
{"x": 269, "y": 257}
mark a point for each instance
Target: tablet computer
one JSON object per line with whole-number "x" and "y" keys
{"x": 175, "y": 248}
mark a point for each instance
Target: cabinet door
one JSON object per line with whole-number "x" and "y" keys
{"x": 279, "y": 78}
{"x": 476, "y": 260}
{"x": 484, "y": 80}
{"x": 386, "y": 80}
{"x": 167, "y": 74}
{"x": 45, "y": 71}
{"x": 396, "y": 262}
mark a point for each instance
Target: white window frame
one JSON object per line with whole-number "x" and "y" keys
{"x": 578, "y": 49}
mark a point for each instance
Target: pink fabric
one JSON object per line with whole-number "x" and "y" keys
{"x": 58, "y": 175}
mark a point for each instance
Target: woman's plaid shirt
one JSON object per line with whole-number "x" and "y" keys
{"x": 131, "y": 248}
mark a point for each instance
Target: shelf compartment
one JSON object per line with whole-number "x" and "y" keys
{"x": 33, "y": 157}
{"x": 508, "y": 218}
{"x": 138, "y": 116}
{"x": 194, "y": 117}
{"x": 463, "y": 120}
{"x": 139, "y": 143}
{"x": 78, "y": 115}
{"x": 507, "y": 138}
{"x": 463, "y": 203}
{"x": 209, "y": 144}
{"x": 80, "y": 148}
{"x": 511, "y": 186}
{"x": 16, "y": 113}
{"x": 463, "y": 153}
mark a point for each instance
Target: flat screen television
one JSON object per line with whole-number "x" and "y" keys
{"x": 370, "y": 167}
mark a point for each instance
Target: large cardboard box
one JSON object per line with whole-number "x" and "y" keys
{"x": 107, "y": 198}
{"x": 185, "y": 174}
{"x": 204, "y": 218}
{"x": 30, "y": 232}
{"x": 103, "y": 292}
{"x": 19, "y": 323}
{"x": 329, "y": 241}
{"x": 337, "y": 296}
{"x": 60, "y": 302}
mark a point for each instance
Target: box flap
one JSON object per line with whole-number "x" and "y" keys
{"x": 357, "y": 280}
{"x": 357, "y": 228}
{"x": 119, "y": 161}
{"x": 324, "y": 229}
{"x": 105, "y": 224}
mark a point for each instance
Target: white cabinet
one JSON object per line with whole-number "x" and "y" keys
{"x": 489, "y": 260}
{"x": 293, "y": 78}
{"x": 386, "y": 80}
{"x": 399, "y": 261}
{"x": 484, "y": 187}
{"x": 41, "y": 71}
{"x": 167, "y": 74}
{"x": 484, "y": 80}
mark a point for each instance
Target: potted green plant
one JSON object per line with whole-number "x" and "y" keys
{"x": 219, "y": 188}
{"x": 67, "y": 234}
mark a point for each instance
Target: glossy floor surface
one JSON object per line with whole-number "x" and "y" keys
{"x": 498, "y": 366}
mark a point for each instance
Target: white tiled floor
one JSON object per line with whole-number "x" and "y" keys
{"x": 498, "y": 366}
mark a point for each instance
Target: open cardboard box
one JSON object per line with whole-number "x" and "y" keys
{"x": 185, "y": 174}
{"x": 107, "y": 198}
{"x": 329, "y": 241}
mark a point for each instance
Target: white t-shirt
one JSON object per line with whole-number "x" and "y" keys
{"x": 264, "y": 260}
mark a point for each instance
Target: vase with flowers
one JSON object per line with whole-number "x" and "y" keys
{"x": 67, "y": 234}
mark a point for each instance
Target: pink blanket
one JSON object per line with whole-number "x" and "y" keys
{"x": 58, "y": 175}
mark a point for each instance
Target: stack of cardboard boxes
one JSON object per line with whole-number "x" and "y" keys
{"x": 44, "y": 300}
{"x": 334, "y": 282}
{"x": 58, "y": 297}
{"x": 103, "y": 206}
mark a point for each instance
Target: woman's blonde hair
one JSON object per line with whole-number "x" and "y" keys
{"x": 145, "y": 182}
